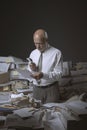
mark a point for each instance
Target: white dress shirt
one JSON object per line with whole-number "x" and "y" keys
{"x": 51, "y": 65}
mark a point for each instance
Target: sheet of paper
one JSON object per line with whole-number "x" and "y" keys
{"x": 25, "y": 90}
{"x": 6, "y": 59}
{"x": 4, "y": 97}
{"x": 2, "y": 118}
{"x": 24, "y": 112}
{"x": 78, "y": 107}
{"x": 4, "y": 67}
{"x": 25, "y": 73}
{"x": 77, "y": 104}
{"x": 49, "y": 105}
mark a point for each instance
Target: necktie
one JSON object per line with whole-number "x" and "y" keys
{"x": 39, "y": 66}
{"x": 40, "y": 62}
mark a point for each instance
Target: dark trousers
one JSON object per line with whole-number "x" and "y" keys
{"x": 46, "y": 95}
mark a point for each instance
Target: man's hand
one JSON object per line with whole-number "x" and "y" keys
{"x": 33, "y": 66}
{"x": 37, "y": 75}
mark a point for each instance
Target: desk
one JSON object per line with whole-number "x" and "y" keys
{"x": 77, "y": 125}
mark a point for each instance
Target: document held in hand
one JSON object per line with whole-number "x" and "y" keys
{"x": 25, "y": 73}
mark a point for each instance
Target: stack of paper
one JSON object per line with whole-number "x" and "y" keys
{"x": 25, "y": 90}
{"x": 79, "y": 108}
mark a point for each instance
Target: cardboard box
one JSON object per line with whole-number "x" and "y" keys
{"x": 4, "y": 77}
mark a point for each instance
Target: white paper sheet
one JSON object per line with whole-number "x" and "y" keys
{"x": 17, "y": 95}
{"x": 4, "y": 97}
{"x": 50, "y": 105}
{"x": 6, "y": 59}
{"x": 4, "y": 67}
{"x": 25, "y": 90}
{"x": 23, "y": 113}
{"x": 78, "y": 107}
{"x": 25, "y": 73}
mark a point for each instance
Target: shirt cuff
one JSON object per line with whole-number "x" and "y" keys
{"x": 45, "y": 76}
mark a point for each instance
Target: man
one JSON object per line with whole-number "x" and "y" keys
{"x": 46, "y": 75}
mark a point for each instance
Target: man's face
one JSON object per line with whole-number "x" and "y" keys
{"x": 40, "y": 43}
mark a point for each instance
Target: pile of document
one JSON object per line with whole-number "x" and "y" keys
{"x": 52, "y": 116}
{"x": 74, "y": 82}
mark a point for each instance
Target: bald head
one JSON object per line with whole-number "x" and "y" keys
{"x": 41, "y": 34}
{"x": 40, "y": 38}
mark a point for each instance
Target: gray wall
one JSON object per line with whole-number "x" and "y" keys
{"x": 65, "y": 22}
